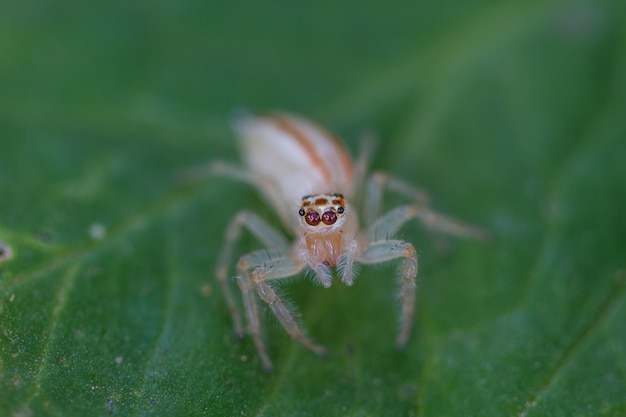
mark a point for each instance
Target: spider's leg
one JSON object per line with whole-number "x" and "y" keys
{"x": 382, "y": 248}
{"x": 261, "y": 230}
{"x": 367, "y": 147}
{"x": 388, "y": 224}
{"x": 255, "y": 271}
{"x": 252, "y": 316}
{"x": 386, "y": 250}
{"x": 376, "y": 186}
{"x": 379, "y": 181}
{"x": 226, "y": 169}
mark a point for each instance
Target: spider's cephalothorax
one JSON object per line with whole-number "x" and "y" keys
{"x": 324, "y": 209}
{"x": 323, "y": 216}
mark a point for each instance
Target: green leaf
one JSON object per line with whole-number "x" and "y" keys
{"x": 510, "y": 114}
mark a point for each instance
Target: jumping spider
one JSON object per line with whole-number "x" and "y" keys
{"x": 308, "y": 178}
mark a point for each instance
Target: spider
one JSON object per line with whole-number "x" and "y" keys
{"x": 314, "y": 188}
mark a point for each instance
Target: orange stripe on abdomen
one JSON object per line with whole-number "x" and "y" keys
{"x": 318, "y": 162}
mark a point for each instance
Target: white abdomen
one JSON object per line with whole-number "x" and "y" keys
{"x": 295, "y": 154}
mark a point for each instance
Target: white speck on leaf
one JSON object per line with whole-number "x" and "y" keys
{"x": 97, "y": 231}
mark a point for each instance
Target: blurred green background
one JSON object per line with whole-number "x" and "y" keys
{"x": 512, "y": 115}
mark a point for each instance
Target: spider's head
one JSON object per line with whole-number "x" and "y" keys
{"x": 322, "y": 212}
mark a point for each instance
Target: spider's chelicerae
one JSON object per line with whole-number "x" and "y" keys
{"x": 314, "y": 188}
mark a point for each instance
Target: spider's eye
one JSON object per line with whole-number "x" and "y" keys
{"x": 301, "y": 212}
{"x": 340, "y": 210}
{"x": 312, "y": 218}
{"x": 329, "y": 217}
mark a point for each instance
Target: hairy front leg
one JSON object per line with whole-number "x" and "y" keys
{"x": 387, "y": 250}
{"x": 282, "y": 313}
{"x": 256, "y": 270}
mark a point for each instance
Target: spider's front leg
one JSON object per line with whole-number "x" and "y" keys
{"x": 387, "y": 250}
{"x": 382, "y": 248}
{"x": 255, "y": 271}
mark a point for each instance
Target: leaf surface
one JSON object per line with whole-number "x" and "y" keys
{"x": 510, "y": 115}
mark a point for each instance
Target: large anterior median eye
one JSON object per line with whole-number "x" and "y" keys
{"x": 329, "y": 217}
{"x": 312, "y": 218}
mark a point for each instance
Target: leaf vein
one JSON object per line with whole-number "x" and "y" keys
{"x": 602, "y": 313}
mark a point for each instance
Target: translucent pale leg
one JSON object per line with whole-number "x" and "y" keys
{"x": 386, "y": 226}
{"x": 431, "y": 219}
{"x": 386, "y": 250}
{"x": 376, "y": 185}
{"x": 367, "y": 146}
{"x": 261, "y": 230}
{"x": 381, "y": 249}
{"x": 255, "y": 270}
{"x": 226, "y": 169}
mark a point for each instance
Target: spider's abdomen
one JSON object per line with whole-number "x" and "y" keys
{"x": 295, "y": 154}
